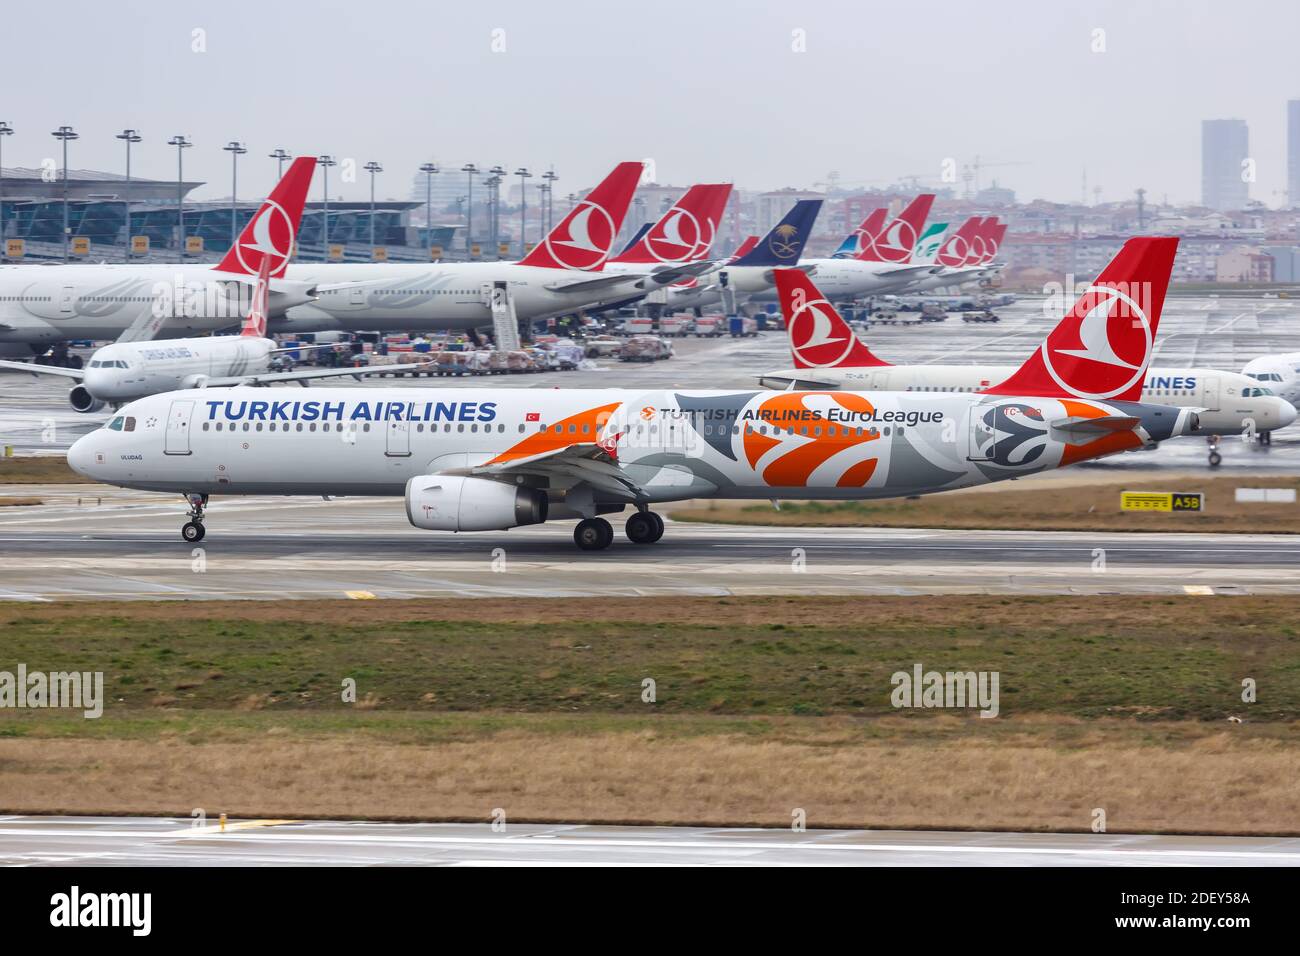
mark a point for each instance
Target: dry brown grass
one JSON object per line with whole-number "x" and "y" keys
{"x": 1030, "y": 507}
{"x": 6, "y": 502}
{"x": 1218, "y": 781}
{"x": 39, "y": 470}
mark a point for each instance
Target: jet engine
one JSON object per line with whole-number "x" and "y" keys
{"x": 458, "y": 503}
{"x": 83, "y": 401}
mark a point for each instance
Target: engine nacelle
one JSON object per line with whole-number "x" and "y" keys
{"x": 83, "y": 401}
{"x": 458, "y": 503}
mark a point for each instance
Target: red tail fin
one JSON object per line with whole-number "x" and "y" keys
{"x": 956, "y": 249}
{"x": 685, "y": 233}
{"x": 585, "y": 237}
{"x": 272, "y": 230}
{"x": 819, "y": 338}
{"x": 1102, "y": 347}
{"x": 744, "y": 248}
{"x": 979, "y": 246}
{"x": 994, "y": 241}
{"x": 255, "y": 324}
{"x": 896, "y": 242}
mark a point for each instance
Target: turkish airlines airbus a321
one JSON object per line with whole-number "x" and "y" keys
{"x": 497, "y": 458}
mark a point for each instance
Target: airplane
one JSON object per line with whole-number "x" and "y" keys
{"x": 964, "y": 255}
{"x": 749, "y": 269}
{"x": 564, "y": 273}
{"x": 491, "y": 459}
{"x": 683, "y": 234}
{"x": 828, "y": 354}
{"x": 884, "y": 266}
{"x": 1280, "y": 373}
{"x": 41, "y": 304}
{"x": 861, "y": 238}
{"x": 135, "y": 366}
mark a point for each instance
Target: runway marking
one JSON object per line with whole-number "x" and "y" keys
{"x": 668, "y": 844}
{"x": 1197, "y": 589}
{"x": 360, "y": 595}
{"x": 240, "y": 825}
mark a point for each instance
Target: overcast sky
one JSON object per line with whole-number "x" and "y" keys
{"x": 710, "y": 90}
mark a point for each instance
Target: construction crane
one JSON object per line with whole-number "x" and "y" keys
{"x": 970, "y": 173}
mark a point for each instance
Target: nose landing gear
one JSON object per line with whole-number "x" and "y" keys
{"x": 193, "y": 530}
{"x": 1215, "y": 458}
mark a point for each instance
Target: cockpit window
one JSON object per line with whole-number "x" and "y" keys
{"x": 116, "y": 423}
{"x": 130, "y": 424}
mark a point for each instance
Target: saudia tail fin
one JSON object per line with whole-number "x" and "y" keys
{"x": 1103, "y": 346}
{"x": 897, "y": 240}
{"x": 819, "y": 337}
{"x": 584, "y": 238}
{"x": 255, "y": 323}
{"x": 784, "y": 244}
{"x": 271, "y": 231}
{"x": 685, "y": 232}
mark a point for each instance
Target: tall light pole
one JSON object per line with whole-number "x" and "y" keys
{"x": 429, "y": 169}
{"x": 372, "y": 167}
{"x": 65, "y": 133}
{"x": 325, "y": 162}
{"x": 181, "y": 144}
{"x": 235, "y": 149}
{"x": 279, "y": 155}
{"x": 550, "y": 178}
{"x": 5, "y": 130}
{"x": 127, "y": 136}
{"x": 470, "y": 170}
{"x": 524, "y": 175}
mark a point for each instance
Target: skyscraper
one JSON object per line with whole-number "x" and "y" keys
{"x": 1225, "y": 145}
{"x": 1293, "y": 153}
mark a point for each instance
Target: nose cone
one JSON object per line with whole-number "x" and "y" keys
{"x": 1286, "y": 413}
{"x": 81, "y": 455}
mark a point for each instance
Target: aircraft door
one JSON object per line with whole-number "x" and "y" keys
{"x": 177, "y": 439}
{"x": 66, "y": 299}
{"x": 1210, "y": 393}
{"x": 398, "y": 439}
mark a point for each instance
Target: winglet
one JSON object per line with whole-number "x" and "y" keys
{"x": 272, "y": 229}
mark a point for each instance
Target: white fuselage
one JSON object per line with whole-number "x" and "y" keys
{"x": 126, "y": 371}
{"x": 1230, "y": 403}
{"x": 668, "y": 445}
{"x": 842, "y": 280}
{"x": 1280, "y": 373}
{"x": 48, "y": 304}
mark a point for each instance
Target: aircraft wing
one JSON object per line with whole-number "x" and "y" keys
{"x": 907, "y": 271}
{"x": 583, "y": 461}
{"x": 595, "y": 285}
{"x": 76, "y": 373}
{"x": 304, "y": 375}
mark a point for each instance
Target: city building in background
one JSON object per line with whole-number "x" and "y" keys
{"x": 1225, "y": 146}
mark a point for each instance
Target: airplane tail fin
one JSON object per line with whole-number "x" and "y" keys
{"x": 685, "y": 233}
{"x": 784, "y": 244}
{"x": 819, "y": 337}
{"x": 585, "y": 237}
{"x": 744, "y": 248}
{"x": 956, "y": 249}
{"x": 858, "y": 240}
{"x": 255, "y": 323}
{"x": 272, "y": 230}
{"x": 981, "y": 242}
{"x": 897, "y": 240}
{"x": 1102, "y": 347}
{"x": 993, "y": 242}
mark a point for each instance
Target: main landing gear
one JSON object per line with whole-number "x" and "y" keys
{"x": 193, "y": 530}
{"x": 596, "y": 534}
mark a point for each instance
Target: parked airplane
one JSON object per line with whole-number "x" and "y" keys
{"x": 135, "y": 366}
{"x": 1279, "y": 372}
{"x": 856, "y": 242}
{"x": 828, "y": 354}
{"x": 484, "y": 459}
{"x": 885, "y": 266}
{"x": 41, "y": 304}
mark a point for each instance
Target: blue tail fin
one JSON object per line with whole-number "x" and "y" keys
{"x": 784, "y": 244}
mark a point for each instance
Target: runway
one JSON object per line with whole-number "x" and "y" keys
{"x": 126, "y": 545}
{"x": 144, "y": 841}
